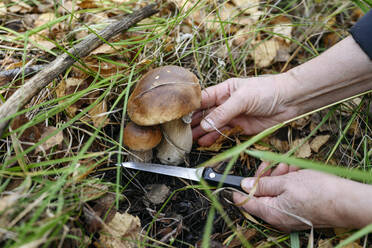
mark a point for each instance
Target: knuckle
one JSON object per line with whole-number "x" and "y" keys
{"x": 218, "y": 115}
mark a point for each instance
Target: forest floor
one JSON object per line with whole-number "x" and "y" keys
{"x": 60, "y": 185}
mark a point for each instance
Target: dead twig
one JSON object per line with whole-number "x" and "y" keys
{"x": 64, "y": 61}
{"x": 8, "y": 75}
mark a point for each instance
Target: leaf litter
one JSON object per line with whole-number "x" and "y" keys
{"x": 263, "y": 36}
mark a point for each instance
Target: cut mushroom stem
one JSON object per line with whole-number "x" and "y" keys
{"x": 176, "y": 143}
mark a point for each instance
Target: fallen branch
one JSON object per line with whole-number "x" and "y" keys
{"x": 8, "y": 75}
{"x": 24, "y": 94}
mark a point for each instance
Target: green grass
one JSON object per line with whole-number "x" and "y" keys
{"x": 48, "y": 198}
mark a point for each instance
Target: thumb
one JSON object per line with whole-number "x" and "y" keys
{"x": 264, "y": 186}
{"x": 221, "y": 115}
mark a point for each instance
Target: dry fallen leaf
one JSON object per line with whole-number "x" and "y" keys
{"x": 303, "y": 151}
{"x": 8, "y": 200}
{"x": 197, "y": 16}
{"x": 70, "y": 86}
{"x": 352, "y": 245}
{"x": 157, "y": 193}
{"x": 281, "y": 145}
{"x": 331, "y": 39}
{"x": 325, "y": 243}
{"x": 265, "y": 52}
{"x": 19, "y": 7}
{"x": 248, "y": 234}
{"x": 283, "y": 53}
{"x": 98, "y": 114}
{"x": 3, "y": 9}
{"x": 92, "y": 191}
{"x": 282, "y": 27}
{"x": 52, "y": 141}
{"x": 318, "y": 142}
{"x": 121, "y": 232}
{"x": 249, "y": 6}
{"x": 217, "y": 145}
{"x": 44, "y": 18}
{"x": 300, "y": 123}
{"x": 104, "y": 49}
{"x": 242, "y": 36}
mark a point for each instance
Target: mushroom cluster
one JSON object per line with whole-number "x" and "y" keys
{"x": 165, "y": 96}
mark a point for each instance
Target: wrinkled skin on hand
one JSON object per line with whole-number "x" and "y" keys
{"x": 323, "y": 199}
{"x": 253, "y": 104}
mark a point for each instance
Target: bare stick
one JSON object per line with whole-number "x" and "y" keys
{"x": 14, "y": 73}
{"x": 64, "y": 61}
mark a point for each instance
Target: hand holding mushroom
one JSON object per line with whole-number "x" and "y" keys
{"x": 168, "y": 96}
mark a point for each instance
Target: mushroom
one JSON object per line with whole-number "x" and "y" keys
{"x": 167, "y": 95}
{"x": 140, "y": 141}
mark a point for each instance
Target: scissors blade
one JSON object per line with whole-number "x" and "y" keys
{"x": 194, "y": 174}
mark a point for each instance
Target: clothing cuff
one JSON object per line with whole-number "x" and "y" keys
{"x": 362, "y": 33}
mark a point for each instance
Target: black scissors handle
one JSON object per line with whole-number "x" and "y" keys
{"x": 214, "y": 178}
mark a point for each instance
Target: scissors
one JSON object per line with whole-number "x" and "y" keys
{"x": 194, "y": 174}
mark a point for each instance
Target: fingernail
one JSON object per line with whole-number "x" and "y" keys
{"x": 207, "y": 124}
{"x": 247, "y": 184}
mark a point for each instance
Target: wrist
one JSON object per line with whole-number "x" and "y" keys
{"x": 286, "y": 86}
{"x": 356, "y": 210}
{"x": 340, "y": 72}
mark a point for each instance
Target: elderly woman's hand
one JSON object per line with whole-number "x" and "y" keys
{"x": 287, "y": 199}
{"x": 253, "y": 104}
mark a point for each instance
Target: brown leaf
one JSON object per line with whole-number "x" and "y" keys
{"x": 3, "y": 9}
{"x": 318, "y": 142}
{"x": 217, "y": 145}
{"x": 104, "y": 49}
{"x": 19, "y": 7}
{"x": 242, "y": 36}
{"x": 121, "y": 232}
{"x": 300, "y": 123}
{"x": 44, "y": 18}
{"x": 249, "y": 7}
{"x": 88, "y": 4}
{"x": 92, "y": 191}
{"x": 352, "y": 245}
{"x": 283, "y": 53}
{"x": 157, "y": 193}
{"x": 70, "y": 86}
{"x": 52, "y": 141}
{"x": 8, "y": 201}
{"x": 281, "y": 145}
{"x": 331, "y": 39}
{"x": 303, "y": 151}
{"x": 325, "y": 243}
{"x": 265, "y": 52}
{"x": 248, "y": 234}
{"x": 282, "y": 27}
{"x": 98, "y": 114}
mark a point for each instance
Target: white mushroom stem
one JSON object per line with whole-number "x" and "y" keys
{"x": 140, "y": 156}
{"x": 176, "y": 143}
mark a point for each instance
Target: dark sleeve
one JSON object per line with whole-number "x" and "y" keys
{"x": 362, "y": 33}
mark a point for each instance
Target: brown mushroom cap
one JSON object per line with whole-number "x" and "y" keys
{"x": 139, "y": 138}
{"x": 164, "y": 94}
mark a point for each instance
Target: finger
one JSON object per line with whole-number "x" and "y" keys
{"x": 197, "y": 132}
{"x": 281, "y": 169}
{"x": 215, "y": 95}
{"x": 293, "y": 168}
{"x": 262, "y": 170}
{"x": 257, "y": 206}
{"x": 222, "y": 114}
{"x": 210, "y": 138}
{"x": 264, "y": 186}
{"x": 200, "y": 115}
